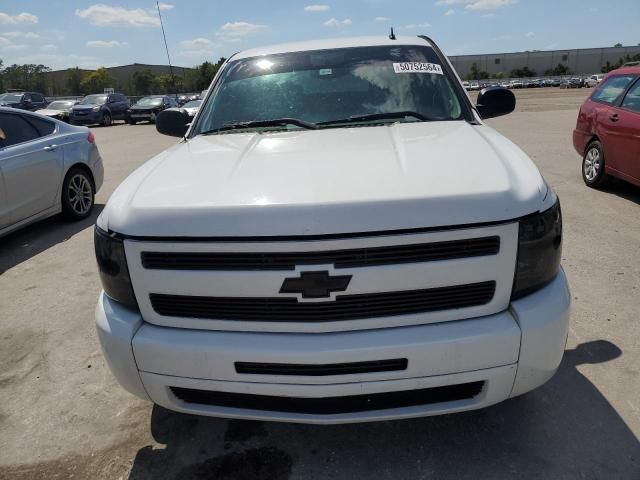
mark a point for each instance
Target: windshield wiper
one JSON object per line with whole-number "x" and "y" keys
{"x": 380, "y": 116}
{"x": 275, "y": 122}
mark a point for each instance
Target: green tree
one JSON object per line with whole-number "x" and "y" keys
{"x": 617, "y": 45}
{"x": 476, "y": 74}
{"x": 74, "y": 81}
{"x": 1, "y": 78}
{"x": 27, "y": 77}
{"x": 523, "y": 72}
{"x": 608, "y": 66}
{"x": 161, "y": 84}
{"x": 558, "y": 70}
{"x": 143, "y": 81}
{"x": 96, "y": 81}
{"x": 201, "y": 76}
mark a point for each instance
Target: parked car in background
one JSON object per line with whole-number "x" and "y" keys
{"x": 473, "y": 86}
{"x": 466, "y": 85}
{"x": 339, "y": 238}
{"x": 571, "y": 83}
{"x": 182, "y": 99}
{"x": 607, "y": 132}
{"x": 31, "y": 101}
{"x": 58, "y": 109}
{"x": 146, "y": 109}
{"x": 516, "y": 84}
{"x": 192, "y": 107}
{"x": 100, "y": 108}
{"x": 593, "y": 80}
{"x": 46, "y": 167}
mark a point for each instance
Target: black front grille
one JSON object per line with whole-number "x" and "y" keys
{"x": 359, "y": 257}
{"x": 345, "y": 307}
{"x": 331, "y": 405}
{"x": 374, "y": 366}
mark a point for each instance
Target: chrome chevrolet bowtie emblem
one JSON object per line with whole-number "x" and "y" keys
{"x": 315, "y": 284}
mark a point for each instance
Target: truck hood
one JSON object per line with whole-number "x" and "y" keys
{"x": 316, "y": 182}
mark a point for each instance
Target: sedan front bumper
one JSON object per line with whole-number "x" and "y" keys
{"x": 142, "y": 116}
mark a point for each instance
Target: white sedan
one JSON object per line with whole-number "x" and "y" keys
{"x": 46, "y": 167}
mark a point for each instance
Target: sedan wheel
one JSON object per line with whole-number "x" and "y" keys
{"x": 106, "y": 119}
{"x": 593, "y": 165}
{"x": 77, "y": 195}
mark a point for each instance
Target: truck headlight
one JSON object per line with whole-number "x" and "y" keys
{"x": 539, "y": 251}
{"x": 112, "y": 264}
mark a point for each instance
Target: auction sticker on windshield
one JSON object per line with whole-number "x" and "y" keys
{"x": 417, "y": 67}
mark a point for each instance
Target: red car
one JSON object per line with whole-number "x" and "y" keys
{"x": 607, "y": 133}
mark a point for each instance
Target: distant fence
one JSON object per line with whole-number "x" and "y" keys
{"x": 132, "y": 98}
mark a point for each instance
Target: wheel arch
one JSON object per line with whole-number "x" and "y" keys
{"x": 85, "y": 168}
{"x": 594, "y": 137}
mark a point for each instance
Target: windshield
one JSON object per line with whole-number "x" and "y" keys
{"x": 149, "y": 101}
{"x": 193, "y": 104}
{"x": 58, "y": 105}
{"x": 11, "y": 97}
{"x": 327, "y": 86}
{"x": 94, "y": 100}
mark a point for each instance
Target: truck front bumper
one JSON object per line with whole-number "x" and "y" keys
{"x": 452, "y": 366}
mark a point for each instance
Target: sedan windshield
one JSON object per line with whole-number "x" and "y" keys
{"x": 60, "y": 105}
{"x": 94, "y": 100}
{"x": 11, "y": 97}
{"x": 332, "y": 88}
{"x": 149, "y": 101}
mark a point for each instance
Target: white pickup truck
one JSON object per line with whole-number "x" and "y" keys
{"x": 337, "y": 237}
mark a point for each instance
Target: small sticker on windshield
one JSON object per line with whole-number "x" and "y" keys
{"x": 326, "y": 71}
{"x": 417, "y": 67}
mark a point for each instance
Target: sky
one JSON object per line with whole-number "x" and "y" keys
{"x": 89, "y": 34}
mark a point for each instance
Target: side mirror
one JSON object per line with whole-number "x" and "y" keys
{"x": 172, "y": 122}
{"x": 495, "y": 101}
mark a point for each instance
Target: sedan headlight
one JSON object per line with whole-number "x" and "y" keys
{"x": 112, "y": 264}
{"x": 539, "y": 251}
{"x": 96, "y": 108}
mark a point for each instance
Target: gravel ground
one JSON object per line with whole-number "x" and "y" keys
{"x": 62, "y": 415}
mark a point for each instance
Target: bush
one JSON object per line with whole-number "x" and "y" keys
{"x": 523, "y": 72}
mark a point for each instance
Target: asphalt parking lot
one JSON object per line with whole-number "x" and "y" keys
{"x": 62, "y": 415}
